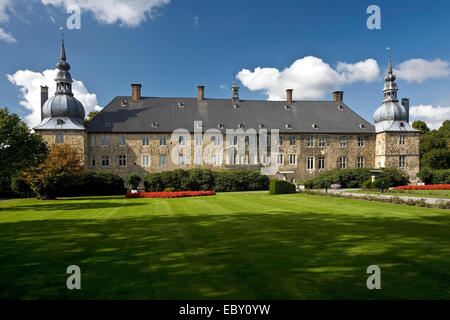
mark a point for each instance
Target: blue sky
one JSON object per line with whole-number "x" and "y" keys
{"x": 180, "y": 44}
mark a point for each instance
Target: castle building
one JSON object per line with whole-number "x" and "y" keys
{"x": 136, "y": 134}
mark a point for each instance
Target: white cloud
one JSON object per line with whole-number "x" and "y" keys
{"x": 30, "y": 83}
{"x": 5, "y": 5}
{"x": 433, "y": 116}
{"x": 130, "y": 13}
{"x": 310, "y": 77}
{"x": 6, "y": 36}
{"x": 418, "y": 70}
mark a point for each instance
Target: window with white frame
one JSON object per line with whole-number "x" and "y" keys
{"x": 310, "y": 142}
{"x": 402, "y": 162}
{"x": 105, "y": 161}
{"x": 402, "y": 140}
{"x": 343, "y": 142}
{"x": 360, "y": 162}
{"x": 252, "y": 159}
{"x": 122, "y": 160}
{"x": 162, "y": 140}
{"x": 342, "y": 163}
{"x": 198, "y": 159}
{"x": 122, "y": 141}
{"x": 217, "y": 140}
{"x": 361, "y": 140}
{"x": 280, "y": 140}
{"x": 292, "y": 158}
{"x": 198, "y": 140}
{"x": 310, "y": 163}
{"x": 241, "y": 159}
{"x": 292, "y": 140}
{"x": 265, "y": 160}
{"x": 59, "y": 137}
{"x": 145, "y": 160}
{"x": 233, "y": 140}
{"x": 322, "y": 143}
{"x": 181, "y": 140}
{"x": 280, "y": 159}
{"x": 92, "y": 141}
{"x": 231, "y": 158}
{"x": 181, "y": 159}
{"x": 321, "y": 162}
{"x": 162, "y": 160}
{"x": 105, "y": 141}
{"x": 145, "y": 141}
{"x": 217, "y": 159}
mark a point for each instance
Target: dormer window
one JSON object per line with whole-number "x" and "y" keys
{"x": 315, "y": 126}
{"x": 261, "y": 126}
{"x": 241, "y": 125}
{"x": 59, "y": 122}
{"x": 340, "y": 107}
{"x": 362, "y": 126}
{"x": 236, "y": 106}
{"x": 180, "y": 104}
{"x": 155, "y": 124}
{"x": 220, "y": 126}
{"x": 287, "y": 107}
{"x": 401, "y": 124}
{"x": 288, "y": 126}
{"x": 124, "y": 103}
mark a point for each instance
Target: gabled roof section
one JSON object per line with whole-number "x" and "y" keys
{"x": 167, "y": 114}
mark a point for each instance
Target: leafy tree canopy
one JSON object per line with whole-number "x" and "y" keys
{"x": 420, "y": 125}
{"x": 19, "y": 147}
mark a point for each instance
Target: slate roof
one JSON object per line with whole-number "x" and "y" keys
{"x": 165, "y": 115}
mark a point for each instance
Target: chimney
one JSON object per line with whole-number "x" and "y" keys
{"x": 44, "y": 97}
{"x": 338, "y": 96}
{"x": 135, "y": 91}
{"x": 201, "y": 93}
{"x": 405, "y": 104}
{"x": 289, "y": 95}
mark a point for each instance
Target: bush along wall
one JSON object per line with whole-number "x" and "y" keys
{"x": 205, "y": 179}
{"x": 430, "y": 176}
{"x": 281, "y": 187}
{"x": 94, "y": 183}
{"x": 357, "y": 178}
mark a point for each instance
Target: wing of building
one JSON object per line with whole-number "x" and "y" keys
{"x": 295, "y": 139}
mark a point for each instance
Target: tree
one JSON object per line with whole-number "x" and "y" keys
{"x": 91, "y": 115}
{"x": 133, "y": 180}
{"x": 19, "y": 148}
{"x": 61, "y": 168}
{"x": 421, "y": 126}
{"x": 434, "y": 148}
{"x": 437, "y": 159}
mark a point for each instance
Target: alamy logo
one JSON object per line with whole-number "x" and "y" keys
{"x": 74, "y": 280}
{"x": 374, "y": 281}
{"x": 74, "y": 21}
{"x": 374, "y": 20}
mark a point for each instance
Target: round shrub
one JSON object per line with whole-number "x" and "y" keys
{"x": 281, "y": 187}
{"x": 133, "y": 180}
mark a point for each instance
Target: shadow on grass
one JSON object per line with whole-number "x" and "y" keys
{"x": 236, "y": 256}
{"x": 71, "y": 206}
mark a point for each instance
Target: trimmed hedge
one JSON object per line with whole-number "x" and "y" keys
{"x": 281, "y": 187}
{"x": 357, "y": 178}
{"x": 94, "y": 183}
{"x": 347, "y": 178}
{"x": 434, "y": 176}
{"x": 205, "y": 179}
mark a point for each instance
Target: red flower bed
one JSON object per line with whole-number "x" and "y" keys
{"x": 172, "y": 194}
{"x": 428, "y": 187}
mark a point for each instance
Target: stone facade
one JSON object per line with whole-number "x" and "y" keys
{"x": 129, "y": 155}
{"x": 391, "y": 146}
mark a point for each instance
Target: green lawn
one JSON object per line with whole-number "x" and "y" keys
{"x": 229, "y": 246}
{"x": 443, "y": 194}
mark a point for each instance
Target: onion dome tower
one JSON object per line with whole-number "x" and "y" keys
{"x": 391, "y": 115}
{"x": 62, "y": 111}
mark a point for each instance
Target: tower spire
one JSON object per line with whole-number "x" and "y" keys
{"x": 390, "y": 87}
{"x": 63, "y": 77}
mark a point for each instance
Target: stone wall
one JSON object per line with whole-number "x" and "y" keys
{"x": 75, "y": 138}
{"x": 388, "y": 150}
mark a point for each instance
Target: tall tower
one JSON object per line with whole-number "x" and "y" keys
{"x": 397, "y": 142}
{"x": 63, "y": 115}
